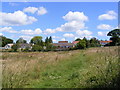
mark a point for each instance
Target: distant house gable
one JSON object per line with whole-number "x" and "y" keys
{"x": 24, "y": 45}
{"x": 63, "y": 45}
{"x": 9, "y": 46}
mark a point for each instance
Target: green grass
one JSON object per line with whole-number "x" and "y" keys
{"x": 90, "y": 68}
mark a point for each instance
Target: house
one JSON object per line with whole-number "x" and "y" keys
{"x": 24, "y": 46}
{"x": 9, "y": 46}
{"x": 105, "y": 42}
{"x": 63, "y": 45}
{"x": 75, "y": 43}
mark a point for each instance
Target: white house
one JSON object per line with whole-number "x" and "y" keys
{"x": 9, "y": 46}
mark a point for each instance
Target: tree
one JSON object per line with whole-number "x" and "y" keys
{"x": 87, "y": 42}
{"x": 115, "y": 37}
{"x": 21, "y": 40}
{"x": 37, "y": 48}
{"x": 46, "y": 40}
{"x": 78, "y": 39}
{"x": 36, "y": 40}
{"x": 4, "y": 41}
{"x": 94, "y": 42}
{"x": 15, "y": 47}
{"x": 50, "y": 40}
{"x": 81, "y": 44}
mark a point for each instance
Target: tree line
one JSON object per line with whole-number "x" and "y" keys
{"x": 39, "y": 45}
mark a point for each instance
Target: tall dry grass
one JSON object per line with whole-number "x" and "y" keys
{"x": 94, "y": 67}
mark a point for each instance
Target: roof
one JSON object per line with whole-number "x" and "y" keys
{"x": 10, "y": 44}
{"x": 62, "y": 44}
{"x": 25, "y": 44}
{"x": 75, "y": 42}
{"x": 62, "y": 41}
{"x": 105, "y": 41}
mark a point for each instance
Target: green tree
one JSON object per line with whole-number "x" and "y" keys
{"x": 4, "y": 41}
{"x": 37, "y": 48}
{"x": 78, "y": 39}
{"x": 94, "y": 42}
{"x": 46, "y": 40}
{"x": 81, "y": 44}
{"x": 50, "y": 40}
{"x": 115, "y": 37}
{"x": 21, "y": 40}
{"x": 15, "y": 47}
{"x": 36, "y": 40}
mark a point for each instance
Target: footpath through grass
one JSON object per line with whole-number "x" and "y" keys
{"x": 91, "y": 68}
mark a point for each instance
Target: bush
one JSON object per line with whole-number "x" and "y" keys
{"x": 81, "y": 44}
{"x": 37, "y": 48}
{"x": 15, "y": 47}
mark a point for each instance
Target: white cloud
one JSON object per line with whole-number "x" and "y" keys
{"x": 110, "y": 15}
{"x": 1, "y": 34}
{"x": 104, "y": 27}
{"x": 16, "y": 19}
{"x": 28, "y": 38}
{"x": 75, "y": 16}
{"x": 7, "y": 29}
{"x": 63, "y": 39}
{"x": 42, "y": 11}
{"x": 30, "y": 9}
{"x": 31, "y": 32}
{"x": 55, "y": 37}
{"x": 55, "y": 41}
{"x": 70, "y": 35}
{"x": 49, "y": 31}
{"x": 75, "y": 22}
{"x": 83, "y": 32}
{"x": 72, "y": 26}
{"x": 102, "y": 33}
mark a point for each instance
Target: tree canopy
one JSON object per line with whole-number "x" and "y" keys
{"x": 36, "y": 40}
{"x": 5, "y": 41}
{"x": 21, "y": 40}
{"x": 115, "y": 37}
{"x": 115, "y": 32}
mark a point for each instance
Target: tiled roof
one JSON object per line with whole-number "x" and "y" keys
{"x": 75, "y": 42}
{"x": 62, "y": 44}
{"x": 62, "y": 41}
{"x": 105, "y": 41}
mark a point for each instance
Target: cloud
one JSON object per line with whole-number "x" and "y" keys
{"x": 30, "y": 9}
{"x": 83, "y": 32}
{"x": 110, "y": 15}
{"x": 1, "y": 34}
{"x": 16, "y": 19}
{"x": 28, "y": 38}
{"x": 31, "y": 32}
{"x": 104, "y": 27}
{"x": 102, "y": 33}
{"x": 55, "y": 37}
{"x": 42, "y": 11}
{"x": 75, "y": 16}
{"x": 70, "y": 35}
{"x": 72, "y": 26}
{"x": 49, "y": 31}
{"x": 8, "y": 29}
{"x": 63, "y": 39}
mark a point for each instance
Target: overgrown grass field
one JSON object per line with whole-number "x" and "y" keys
{"x": 90, "y": 68}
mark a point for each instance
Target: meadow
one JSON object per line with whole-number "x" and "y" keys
{"x": 89, "y": 68}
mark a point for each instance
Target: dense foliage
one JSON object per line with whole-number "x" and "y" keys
{"x": 115, "y": 37}
{"x": 4, "y": 41}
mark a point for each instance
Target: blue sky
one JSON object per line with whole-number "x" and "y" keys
{"x": 61, "y": 20}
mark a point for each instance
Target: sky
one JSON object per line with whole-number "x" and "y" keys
{"x": 61, "y": 20}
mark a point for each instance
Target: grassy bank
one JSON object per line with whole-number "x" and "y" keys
{"x": 90, "y": 68}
